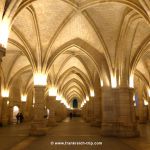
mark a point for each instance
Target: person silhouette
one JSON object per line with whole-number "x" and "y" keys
{"x": 21, "y": 117}
{"x": 18, "y": 117}
{"x": 71, "y": 115}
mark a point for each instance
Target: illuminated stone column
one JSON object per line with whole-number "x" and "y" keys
{"x": 88, "y": 110}
{"x": 58, "y": 111}
{"x": 5, "y": 101}
{"x": 63, "y": 112}
{"x": 23, "y": 103}
{"x": 2, "y": 54}
{"x": 83, "y": 112}
{"x": 97, "y": 119}
{"x": 10, "y": 112}
{"x": 118, "y": 113}
{"x": 91, "y": 109}
{"x": 51, "y": 106}
{"x": 97, "y": 102}
{"x": 148, "y": 107}
{"x": 140, "y": 105}
{"x": 23, "y": 109}
{"x": 38, "y": 126}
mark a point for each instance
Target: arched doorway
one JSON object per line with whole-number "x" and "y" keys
{"x": 15, "y": 112}
{"x": 75, "y": 103}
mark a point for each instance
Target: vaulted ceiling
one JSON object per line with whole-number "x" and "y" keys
{"x": 75, "y": 41}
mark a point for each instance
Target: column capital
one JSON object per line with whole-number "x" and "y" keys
{"x": 5, "y": 98}
{"x": 39, "y": 86}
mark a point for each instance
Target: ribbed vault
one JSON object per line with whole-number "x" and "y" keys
{"x": 73, "y": 41}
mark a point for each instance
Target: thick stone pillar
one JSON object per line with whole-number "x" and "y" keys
{"x": 141, "y": 105}
{"x": 2, "y": 54}
{"x": 51, "y": 106}
{"x": 83, "y": 112}
{"x": 118, "y": 113}
{"x": 23, "y": 110}
{"x": 97, "y": 103}
{"x": 141, "y": 111}
{"x": 4, "y": 111}
{"x": 10, "y": 112}
{"x": 149, "y": 109}
{"x": 38, "y": 126}
{"x": 91, "y": 109}
{"x": 58, "y": 111}
{"x": 97, "y": 115}
{"x": 64, "y": 114}
{"x": 146, "y": 113}
{"x": 88, "y": 111}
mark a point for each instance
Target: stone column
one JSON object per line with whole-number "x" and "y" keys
{"x": 58, "y": 111}
{"x": 118, "y": 113}
{"x": 38, "y": 126}
{"x": 149, "y": 109}
{"x": 10, "y": 112}
{"x": 2, "y": 54}
{"x": 88, "y": 112}
{"x": 51, "y": 106}
{"x": 97, "y": 112}
{"x": 23, "y": 109}
{"x": 91, "y": 109}
{"x": 97, "y": 103}
{"x": 63, "y": 112}
{"x": 5, "y": 111}
{"x": 82, "y": 112}
{"x": 141, "y": 105}
{"x": 85, "y": 112}
{"x": 146, "y": 113}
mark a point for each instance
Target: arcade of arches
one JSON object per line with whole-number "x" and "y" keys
{"x": 62, "y": 54}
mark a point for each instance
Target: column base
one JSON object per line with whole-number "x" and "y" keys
{"x": 38, "y": 129}
{"x": 59, "y": 119}
{"x": 4, "y": 122}
{"x": 51, "y": 123}
{"x": 96, "y": 123}
{"x": 119, "y": 130}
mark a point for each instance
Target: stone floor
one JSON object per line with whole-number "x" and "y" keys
{"x": 16, "y": 137}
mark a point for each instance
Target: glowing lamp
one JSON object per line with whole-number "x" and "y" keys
{"x": 131, "y": 81}
{"x": 68, "y": 106}
{"x": 4, "y": 33}
{"x": 40, "y": 79}
{"x": 33, "y": 100}
{"x": 102, "y": 83}
{"x": 58, "y": 97}
{"x": 145, "y": 102}
{"x": 52, "y": 91}
{"x": 5, "y": 93}
{"x": 63, "y": 100}
{"x": 7, "y": 102}
{"x": 113, "y": 82}
{"x": 134, "y": 97}
{"x": 149, "y": 92}
{"x": 92, "y": 94}
{"x": 23, "y": 98}
{"x": 87, "y": 98}
{"x": 134, "y": 104}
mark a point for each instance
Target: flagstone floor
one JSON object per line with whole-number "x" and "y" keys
{"x": 72, "y": 134}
